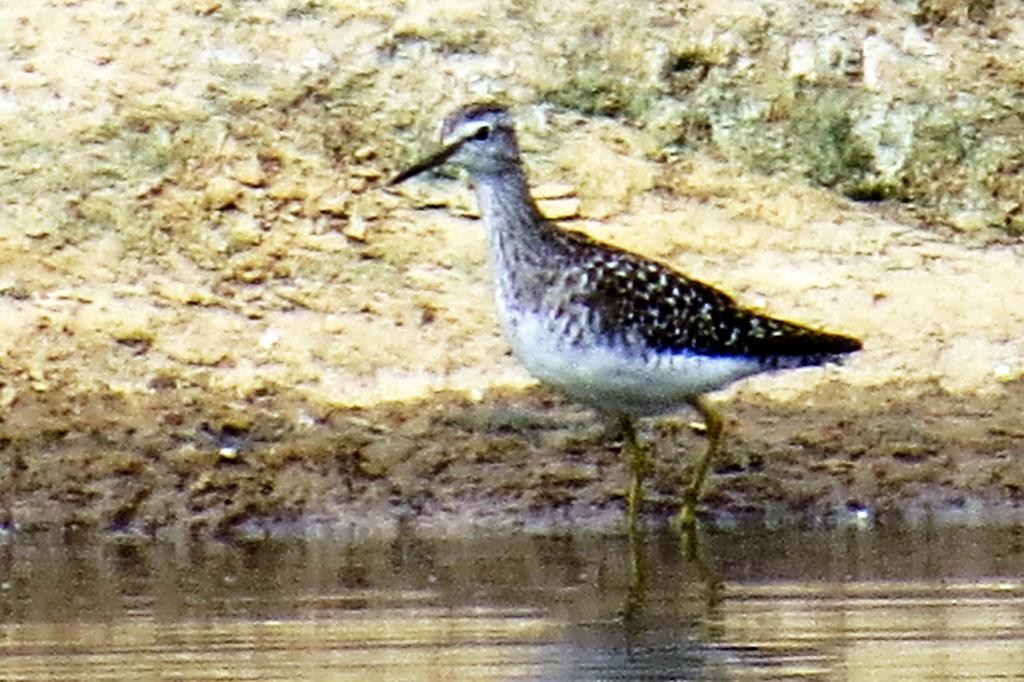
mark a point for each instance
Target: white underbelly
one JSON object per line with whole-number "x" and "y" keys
{"x": 618, "y": 381}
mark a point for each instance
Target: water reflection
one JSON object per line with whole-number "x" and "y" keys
{"x": 921, "y": 603}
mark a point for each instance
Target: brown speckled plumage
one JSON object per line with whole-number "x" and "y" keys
{"x": 614, "y": 296}
{"x": 617, "y": 295}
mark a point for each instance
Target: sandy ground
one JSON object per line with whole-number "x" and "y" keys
{"x": 214, "y": 322}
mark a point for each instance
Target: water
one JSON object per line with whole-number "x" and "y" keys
{"x": 883, "y": 604}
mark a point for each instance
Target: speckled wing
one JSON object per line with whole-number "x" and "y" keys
{"x": 634, "y": 298}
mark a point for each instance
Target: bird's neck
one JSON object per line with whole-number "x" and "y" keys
{"x": 516, "y": 232}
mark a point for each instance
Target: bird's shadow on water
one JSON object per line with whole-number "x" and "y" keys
{"x": 665, "y": 620}
{"x": 640, "y": 605}
{"x": 687, "y": 544}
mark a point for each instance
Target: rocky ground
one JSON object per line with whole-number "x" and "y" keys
{"x": 215, "y": 316}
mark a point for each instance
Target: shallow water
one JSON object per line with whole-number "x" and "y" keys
{"x": 850, "y": 604}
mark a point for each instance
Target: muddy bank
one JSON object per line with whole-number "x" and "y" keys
{"x": 511, "y": 459}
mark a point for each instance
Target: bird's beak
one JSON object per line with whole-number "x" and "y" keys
{"x": 426, "y": 164}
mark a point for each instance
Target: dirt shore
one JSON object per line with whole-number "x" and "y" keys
{"x": 215, "y": 317}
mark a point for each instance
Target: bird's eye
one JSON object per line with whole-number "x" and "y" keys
{"x": 482, "y": 133}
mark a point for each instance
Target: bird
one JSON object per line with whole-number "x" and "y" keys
{"x": 626, "y": 335}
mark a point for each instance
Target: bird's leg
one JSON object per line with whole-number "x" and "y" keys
{"x": 691, "y": 496}
{"x": 639, "y": 465}
{"x": 636, "y": 590}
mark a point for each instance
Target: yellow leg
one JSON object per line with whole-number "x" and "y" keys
{"x": 691, "y": 496}
{"x": 636, "y": 590}
{"x": 639, "y": 465}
